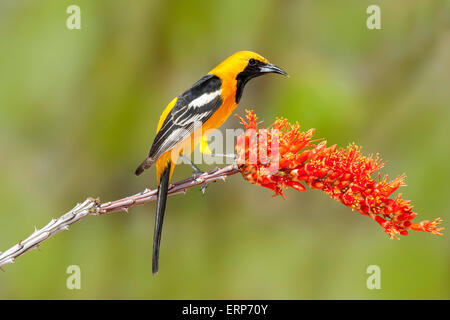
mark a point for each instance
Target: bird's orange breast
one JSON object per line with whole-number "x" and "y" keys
{"x": 226, "y": 109}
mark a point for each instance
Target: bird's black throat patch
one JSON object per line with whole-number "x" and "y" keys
{"x": 250, "y": 72}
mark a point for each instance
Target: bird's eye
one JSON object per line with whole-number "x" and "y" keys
{"x": 252, "y": 62}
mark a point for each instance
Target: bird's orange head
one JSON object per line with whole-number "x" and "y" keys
{"x": 242, "y": 66}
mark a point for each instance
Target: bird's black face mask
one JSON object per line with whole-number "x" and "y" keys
{"x": 255, "y": 68}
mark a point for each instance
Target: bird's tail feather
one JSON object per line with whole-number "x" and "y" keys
{"x": 147, "y": 163}
{"x": 160, "y": 209}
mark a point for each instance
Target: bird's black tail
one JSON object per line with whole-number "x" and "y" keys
{"x": 159, "y": 218}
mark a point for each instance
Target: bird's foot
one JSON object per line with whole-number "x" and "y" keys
{"x": 195, "y": 170}
{"x": 196, "y": 173}
{"x": 203, "y": 187}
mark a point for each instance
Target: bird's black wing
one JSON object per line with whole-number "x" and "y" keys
{"x": 191, "y": 110}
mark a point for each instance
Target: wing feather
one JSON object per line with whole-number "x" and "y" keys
{"x": 192, "y": 109}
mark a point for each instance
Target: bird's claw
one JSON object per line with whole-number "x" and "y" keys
{"x": 203, "y": 187}
{"x": 196, "y": 174}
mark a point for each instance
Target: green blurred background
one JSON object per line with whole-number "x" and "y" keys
{"x": 78, "y": 111}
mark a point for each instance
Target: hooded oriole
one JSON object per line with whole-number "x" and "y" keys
{"x": 209, "y": 102}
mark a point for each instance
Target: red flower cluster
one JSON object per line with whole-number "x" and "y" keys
{"x": 282, "y": 156}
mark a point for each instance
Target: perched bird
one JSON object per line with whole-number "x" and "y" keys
{"x": 188, "y": 118}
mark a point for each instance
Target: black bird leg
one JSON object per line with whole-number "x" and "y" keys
{"x": 196, "y": 171}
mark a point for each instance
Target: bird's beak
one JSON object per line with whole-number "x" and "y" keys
{"x": 270, "y": 68}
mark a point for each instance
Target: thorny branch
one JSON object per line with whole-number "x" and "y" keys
{"x": 93, "y": 207}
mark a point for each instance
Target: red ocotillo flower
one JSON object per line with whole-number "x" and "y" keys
{"x": 282, "y": 156}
